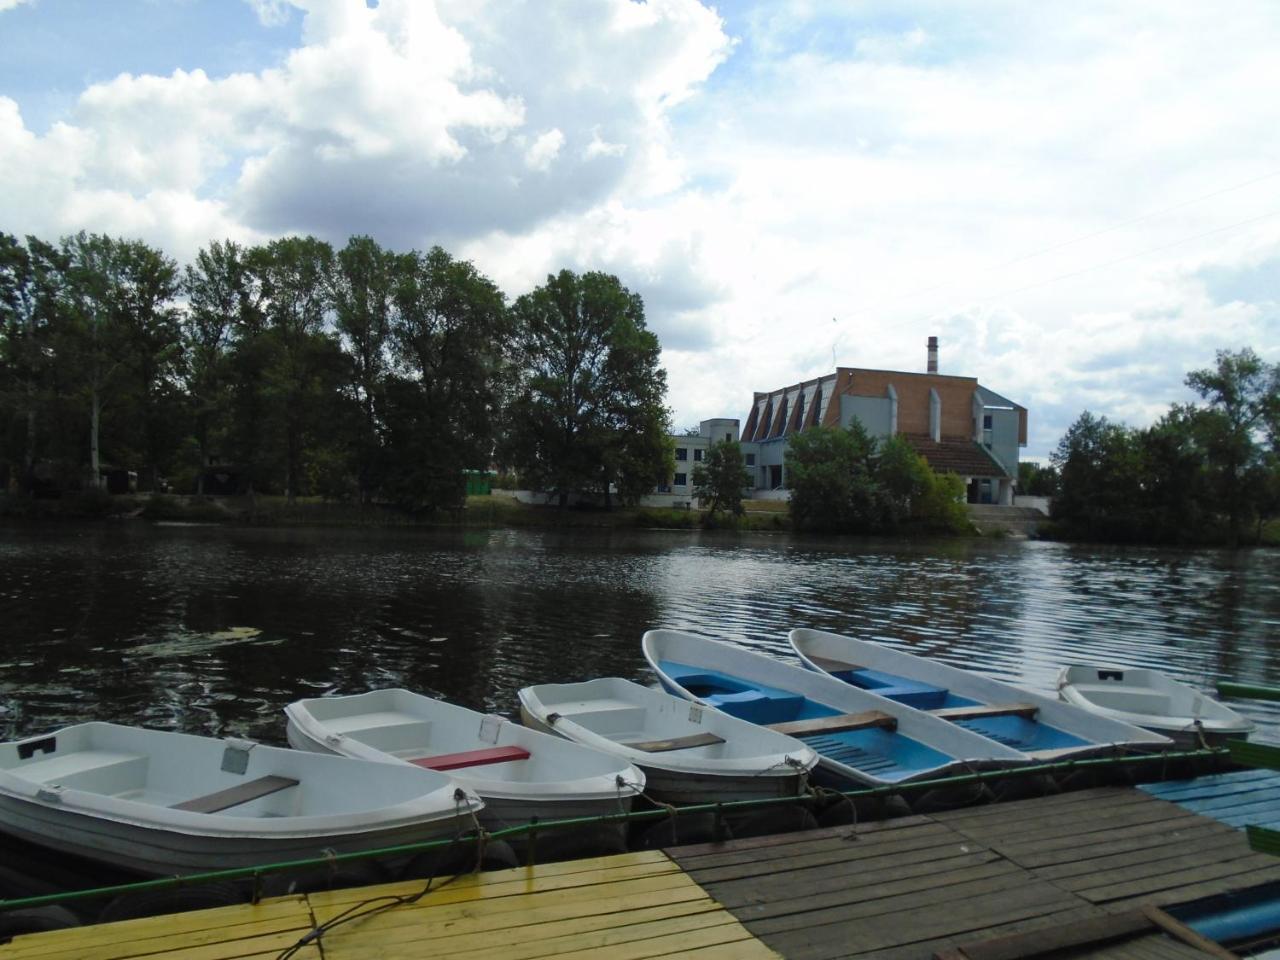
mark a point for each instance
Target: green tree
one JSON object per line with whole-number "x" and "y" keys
{"x": 220, "y": 310}
{"x": 1099, "y": 464}
{"x": 589, "y": 410}
{"x": 1243, "y": 395}
{"x": 301, "y": 356}
{"x": 451, "y": 334}
{"x": 1037, "y": 479}
{"x": 831, "y": 473}
{"x": 363, "y": 292}
{"x": 30, "y": 276}
{"x": 720, "y": 479}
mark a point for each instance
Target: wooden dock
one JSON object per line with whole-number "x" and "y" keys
{"x": 1086, "y": 873}
{"x": 916, "y": 886}
{"x": 628, "y": 907}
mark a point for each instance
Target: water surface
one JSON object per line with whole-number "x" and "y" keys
{"x": 213, "y": 629}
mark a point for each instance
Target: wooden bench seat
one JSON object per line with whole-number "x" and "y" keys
{"x": 234, "y": 796}
{"x": 833, "y": 666}
{"x": 472, "y": 758}
{"x": 977, "y": 711}
{"x": 838, "y": 723}
{"x": 676, "y": 743}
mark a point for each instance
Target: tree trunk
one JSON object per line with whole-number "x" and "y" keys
{"x": 29, "y": 452}
{"x": 95, "y": 415}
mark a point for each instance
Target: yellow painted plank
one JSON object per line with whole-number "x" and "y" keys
{"x": 515, "y": 913}
{"x": 751, "y": 949}
{"x": 470, "y": 889}
{"x": 229, "y": 923}
{"x": 680, "y": 943}
{"x": 642, "y": 861}
{"x": 468, "y": 938}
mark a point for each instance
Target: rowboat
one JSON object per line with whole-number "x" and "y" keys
{"x": 163, "y": 803}
{"x": 1154, "y": 700}
{"x": 519, "y": 773}
{"x": 1042, "y": 727}
{"x": 689, "y": 754}
{"x": 859, "y": 737}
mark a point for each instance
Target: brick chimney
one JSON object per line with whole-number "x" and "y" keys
{"x": 933, "y": 354}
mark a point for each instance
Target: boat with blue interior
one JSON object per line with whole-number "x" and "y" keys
{"x": 860, "y": 737}
{"x": 1043, "y": 727}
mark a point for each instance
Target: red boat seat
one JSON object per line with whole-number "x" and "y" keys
{"x": 472, "y": 758}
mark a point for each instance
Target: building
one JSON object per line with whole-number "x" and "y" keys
{"x": 955, "y": 423}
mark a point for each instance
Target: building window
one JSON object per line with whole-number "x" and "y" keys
{"x": 682, "y": 453}
{"x": 679, "y": 480}
{"x": 697, "y": 455}
{"x": 728, "y": 438}
{"x": 986, "y": 421}
{"x": 751, "y": 459}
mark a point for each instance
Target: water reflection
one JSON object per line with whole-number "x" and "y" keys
{"x": 214, "y": 630}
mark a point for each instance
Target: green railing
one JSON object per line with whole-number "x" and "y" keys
{"x": 532, "y": 830}
{"x": 1250, "y": 691}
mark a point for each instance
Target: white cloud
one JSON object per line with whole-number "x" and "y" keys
{"x": 544, "y": 150}
{"x": 10, "y": 4}
{"x": 1028, "y": 187}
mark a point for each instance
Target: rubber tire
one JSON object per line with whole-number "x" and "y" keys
{"x": 155, "y": 903}
{"x": 361, "y": 873}
{"x": 684, "y": 829}
{"x": 498, "y": 855}
{"x": 767, "y": 822}
{"x": 15, "y": 923}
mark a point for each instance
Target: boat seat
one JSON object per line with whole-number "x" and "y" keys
{"x": 1129, "y": 699}
{"x": 234, "y": 796}
{"x": 914, "y": 693}
{"x": 472, "y": 758}
{"x": 705, "y": 739}
{"x": 980, "y": 710}
{"x": 388, "y": 730}
{"x": 100, "y": 771}
{"x": 837, "y": 723}
{"x": 756, "y": 706}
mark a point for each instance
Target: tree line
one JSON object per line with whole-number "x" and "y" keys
{"x": 360, "y": 373}
{"x": 1204, "y": 472}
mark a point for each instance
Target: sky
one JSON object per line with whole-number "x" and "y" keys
{"x": 1081, "y": 201}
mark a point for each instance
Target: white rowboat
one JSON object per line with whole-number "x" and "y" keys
{"x": 689, "y": 754}
{"x": 1042, "y": 727}
{"x": 518, "y": 772}
{"x": 1151, "y": 699}
{"x": 172, "y": 803}
{"x": 860, "y": 737}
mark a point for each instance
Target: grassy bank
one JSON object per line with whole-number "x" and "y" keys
{"x": 478, "y": 511}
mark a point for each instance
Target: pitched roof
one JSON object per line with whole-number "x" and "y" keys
{"x": 963, "y": 457}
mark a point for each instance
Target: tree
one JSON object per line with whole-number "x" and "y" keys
{"x": 30, "y": 277}
{"x": 363, "y": 293}
{"x": 220, "y": 308}
{"x": 451, "y": 333}
{"x": 294, "y": 277}
{"x": 1100, "y": 469}
{"x": 721, "y": 478}
{"x": 832, "y": 480}
{"x": 1037, "y": 479}
{"x": 1243, "y": 394}
{"x": 589, "y": 410}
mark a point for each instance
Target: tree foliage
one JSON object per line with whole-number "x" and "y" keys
{"x": 721, "y": 478}
{"x": 1200, "y": 473}
{"x": 588, "y": 415}
{"x": 298, "y": 370}
{"x": 847, "y": 481}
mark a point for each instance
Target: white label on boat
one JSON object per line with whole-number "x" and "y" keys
{"x": 490, "y": 726}
{"x": 695, "y": 713}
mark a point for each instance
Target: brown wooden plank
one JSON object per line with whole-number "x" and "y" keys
{"x": 1027, "y": 710}
{"x": 1036, "y": 807}
{"x": 848, "y": 847}
{"x": 688, "y": 854}
{"x": 1030, "y": 852}
{"x": 834, "y": 861}
{"x": 1200, "y": 888}
{"x": 1076, "y": 858}
{"x": 1156, "y": 848}
{"x": 858, "y": 890}
{"x": 1174, "y": 880}
{"x": 705, "y": 739}
{"x": 1079, "y": 933}
{"x": 915, "y": 951}
{"x": 234, "y": 796}
{"x": 1077, "y": 823}
{"x": 836, "y": 724}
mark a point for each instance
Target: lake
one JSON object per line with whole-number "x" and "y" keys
{"x": 214, "y": 629}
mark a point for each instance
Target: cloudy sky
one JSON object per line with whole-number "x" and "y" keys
{"x": 1082, "y": 201}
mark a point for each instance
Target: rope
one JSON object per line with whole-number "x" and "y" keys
{"x": 373, "y": 905}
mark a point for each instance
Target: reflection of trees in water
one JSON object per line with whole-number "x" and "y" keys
{"x": 134, "y": 624}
